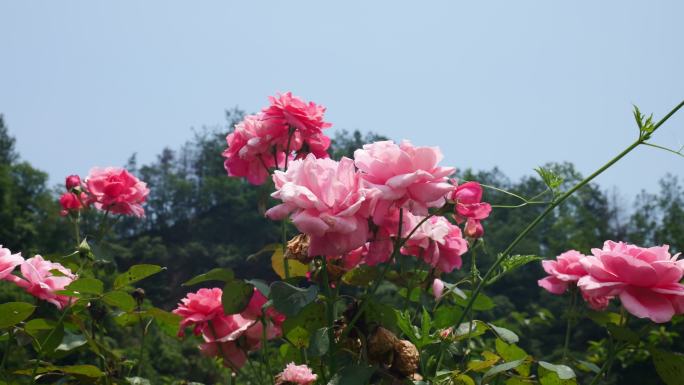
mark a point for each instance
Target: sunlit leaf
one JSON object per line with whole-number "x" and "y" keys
{"x": 11, "y": 313}
{"x": 135, "y": 274}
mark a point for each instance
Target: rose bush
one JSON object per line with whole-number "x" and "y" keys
{"x": 370, "y": 236}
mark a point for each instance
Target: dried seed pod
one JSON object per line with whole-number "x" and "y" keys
{"x": 298, "y": 248}
{"x": 381, "y": 346}
{"x": 406, "y": 358}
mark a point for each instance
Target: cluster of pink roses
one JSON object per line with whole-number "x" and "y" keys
{"x": 109, "y": 189}
{"x": 228, "y": 336}
{"x": 267, "y": 140}
{"x": 353, "y": 209}
{"x": 37, "y": 276}
{"x": 645, "y": 279}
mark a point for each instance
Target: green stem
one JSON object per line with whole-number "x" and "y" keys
{"x": 568, "y": 326}
{"x": 77, "y": 230}
{"x": 40, "y": 346}
{"x": 330, "y": 312}
{"x": 142, "y": 343}
{"x": 10, "y": 336}
{"x": 286, "y": 261}
{"x": 679, "y": 152}
{"x": 549, "y": 208}
{"x": 264, "y": 347}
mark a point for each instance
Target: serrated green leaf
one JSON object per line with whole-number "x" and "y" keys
{"x": 319, "y": 343}
{"x": 290, "y": 300}
{"x": 120, "y": 299}
{"x": 86, "y": 285}
{"x": 669, "y": 366}
{"x": 168, "y": 322}
{"x": 505, "y": 334}
{"x": 11, "y": 313}
{"x": 298, "y": 329}
{"x": 501, "y": 368}
{"x": 218, "y": 274}
{"x": 135, "y": 274}
{"x": 236, "y": 296}
{"x": 482, "y": 303}
{"x": 564, "y": 372}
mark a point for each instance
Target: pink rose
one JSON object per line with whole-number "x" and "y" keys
{"x": 232, "y": 355}
{"x": 71, "y": 202}
{"x": 296, "y": 374}
{"x": 117, "y": 190}
{"x": 251, "y": 149}
{"x": 647, "y": 280}
{"x": 199, "y": 308}
{"x": 469, "y": 207}
{"x": 437, "y": 288}
{"x": 8, "y": 262}
{"x": 72, "y": 181}
{"x": 566, "y": 269}
{"x": 325, "y": 200}
{"x": 288, "y": 112}
{"x": 439, "y": 243}
{"x": 404, "y": 175}
{"x": 39, "y": 281}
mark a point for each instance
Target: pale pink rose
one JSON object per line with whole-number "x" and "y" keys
{"x": 39, "y": 281}
{"x": 72, "y": 181}
{"x": 439, "y": 243}
{"x": 226, "y": 328}
{"x": 597, "y": 303}
{"x": 566, "y": 269}
{"x": 437, "y": 288}
{"x": 199, "y": 308}
{"x": 325, "y": 201}
{"x": 304, "y": 121}
{"x": 469, "y": 208}
{"x": 232, "y": 355}
{"x": 8, "y": 262}
{"x": 253, "y": 149}
{"x": 116, "y": 190}
{"x": 404, "y": 175}
{"x": 297, "y": 374}
{"x": 647, "y": 280}
{"x": 380, "y": 247}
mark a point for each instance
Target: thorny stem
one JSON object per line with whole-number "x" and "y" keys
{"x": 330, "y": 312}
{"x": 505, "y": 254}
{"x": 568, "y": 326}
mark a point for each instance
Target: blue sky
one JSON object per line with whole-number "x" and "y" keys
{"x": 507, "y": 83}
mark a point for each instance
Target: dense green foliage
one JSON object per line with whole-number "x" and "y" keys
{"x": 198, "y": 219}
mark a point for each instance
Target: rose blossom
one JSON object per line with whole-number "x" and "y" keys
{"x": 199, "y": 308}
{"x": 251, "y": 146}
{"x": 325, "y": 201}
{"x": 296, "y": 374}
{"x": 8, "y": 262}
{"x": 437, "y": 288}
{"x": 404, "y": 175}
{"x": 564, "y": 270}
{"x": 439, "y": 243}
{"x": 470, "y": 208}
{"x": 647, "y": 280}
{"x": 72, "y": 181}
{"x": 39, "y": 281}
{"x": 117, "y": 190}
{"x": 288, "y": 112}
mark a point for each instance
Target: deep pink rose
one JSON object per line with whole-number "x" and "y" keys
{"x": 253, "y": 149}
{"x": 288, "y": 112}
{"x": 469, "y": 207}
{"x": 8, "y": 262}
{"x": 566, "y": 269}
{"x": 39, "y": 281}
{"x": 117, "y": 190}
{"x": 297, "y": 374}
{"x": 199, "y": 308}
{"x": 404, "y": 175}
{"x": 72, "y": 181}
{"x": 325, "y": 200}
{"x": 71, "y": 202}
{"x": 647, "y": 280}
{"x": 439, "y": 243}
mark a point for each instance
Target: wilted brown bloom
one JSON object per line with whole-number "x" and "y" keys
{"x": 406, "y": 358}
{"x": 298, "y": 248}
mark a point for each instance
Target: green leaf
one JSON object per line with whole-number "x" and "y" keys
{"x": 236, "y": 296}
{"x": 71, "y": 341}
{"x": 446, "y": 316}
{"x": 462, "y": 379}
{"x": 86, "y": 285}
{"x": 261, "y": 286}
{"x": 622, "y": 333}
{"x": 135, "y": 274}
{"x": 500, "y": 369}
{"x": 77, "y": 370}
{"x": 381, "y": 314}
{"x": 297, "y": 329}
{"x": 505, "y": 334}
{"x": 603, "y": 318}
{"x": 404, "y": 324}
{"x": 289, "y": 300}
{"x": 477, "y": 328}
{"x": 482, "y": 303}
{"x": 564, "y": 372}
{"x": 353, "y": 375}
{"x": 294, "y": 267}
{"x": 490, "y": 359}
{"x": 669, "y": 365}
{"x": 168, "y": 322}
{"x": 512, "y": 352}
{"x": 550, "y": 178}
{"x": 360, "y": 276}
{"x": 40, "y": 329}
{"x": 319, "y": 343}
{"x": 218, "y": 274}
{"x": 11, "y": 313}
{"x": 119, "y": 299}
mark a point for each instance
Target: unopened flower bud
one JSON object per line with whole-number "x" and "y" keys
{"x": 72, "y": 181}
{"x": 139, "y": 296}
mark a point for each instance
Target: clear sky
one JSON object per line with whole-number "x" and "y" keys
{"x": 507, "y": 83}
